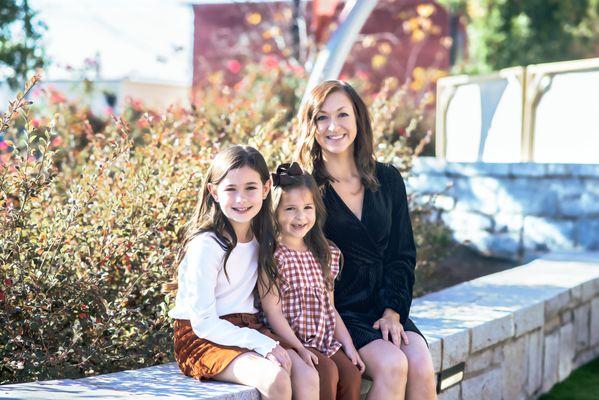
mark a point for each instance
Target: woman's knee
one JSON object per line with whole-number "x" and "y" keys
{"x": 390, "y": 364}
{"x": 421, "y": 366}
{"x": 419, "y": 357}
{"x": 398, "y": 365}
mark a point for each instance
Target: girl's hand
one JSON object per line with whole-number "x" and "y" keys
{"x": 308, "y": 357}
{"x": 279, "y": 356}
{"x": 391, "y": 328}
{"x": 355, "y": 358}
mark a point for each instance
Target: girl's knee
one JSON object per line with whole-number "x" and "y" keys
{"x": 328, "y": 370}
{"x": 277, "y": 383}
{"x": 310, "y": 378}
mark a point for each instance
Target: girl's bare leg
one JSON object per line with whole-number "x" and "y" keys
{"x": 251, "y": 369}
{"x": 304, "y": 378}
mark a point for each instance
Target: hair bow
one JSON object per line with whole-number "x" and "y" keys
{"x": 285, "y": 173}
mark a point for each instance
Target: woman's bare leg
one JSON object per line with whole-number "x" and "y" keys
{"x": 421, "y": 374}
{"x": 387, "y": 365}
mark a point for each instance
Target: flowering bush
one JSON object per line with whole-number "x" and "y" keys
{"x": 90, "y": 214}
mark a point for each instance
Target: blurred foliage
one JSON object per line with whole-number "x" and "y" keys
{"x": 91, "y": 209}
{"x": 21, "y": 49}
{"x": 508, "y": 33}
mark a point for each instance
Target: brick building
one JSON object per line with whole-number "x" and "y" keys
{"x": 401, "y": 38}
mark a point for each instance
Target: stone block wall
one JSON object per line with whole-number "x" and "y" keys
{"x": 517, "y": 211}
{"x": 519, "y": 332}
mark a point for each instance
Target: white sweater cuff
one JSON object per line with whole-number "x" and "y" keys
{"x": 264, "y": 348}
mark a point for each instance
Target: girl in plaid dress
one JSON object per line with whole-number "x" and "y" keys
{"x": 300, "y": 306}
{"x": 228, "y": 246}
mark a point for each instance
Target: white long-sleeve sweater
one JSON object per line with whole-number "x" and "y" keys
{"x": 204, "y": 292}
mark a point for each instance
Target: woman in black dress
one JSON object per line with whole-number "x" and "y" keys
{"x": 368, "y": 219}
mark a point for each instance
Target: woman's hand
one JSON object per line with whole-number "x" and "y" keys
{"x": 308, "y": 357}
{"x": 391, "y": 328}
{"x": 355, "y": 358}
{"x": 279, "y": 356}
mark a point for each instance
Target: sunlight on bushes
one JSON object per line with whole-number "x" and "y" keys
{"x": 91, "y": 210}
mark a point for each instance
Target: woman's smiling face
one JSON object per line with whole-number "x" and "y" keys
{"x": 336, "y": 124}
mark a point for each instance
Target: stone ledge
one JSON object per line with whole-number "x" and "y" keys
{"x": 439, "y": 166}
{"x": 483, "y": 323}
{"x": 506, "y": 318}
{"x": 158, "y": 382}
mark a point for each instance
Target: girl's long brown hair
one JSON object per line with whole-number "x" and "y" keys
{"x": 208, "y": 216}
{"x": 315, "y": 240}
{"x": 309, "y": 152}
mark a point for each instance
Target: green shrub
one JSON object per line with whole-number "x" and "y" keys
{"x": 90, "y": 214}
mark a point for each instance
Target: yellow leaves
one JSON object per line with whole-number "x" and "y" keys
{"x": 368, "y": 41}
{"x": 418, "y": 35}
{"x": 446, "y": 42}
{"x": 402, "y": 15}
{"x": 475, "y": 9}
{"x": 271, "y": 33}
{"x": 425, "y": 10}
{"x": 287, "y": 14}
{"x": 378, "y": 61}
{"x": 421, "y": 77}
{"x": 253, "y": 18}
{"x": 421, "y": 26}
{"x": 425, "y": 24}
{"x": 385, "y": 48}
{"x": 411, "y": 24}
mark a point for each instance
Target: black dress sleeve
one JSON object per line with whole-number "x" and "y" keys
{"x": 400, "y": 255}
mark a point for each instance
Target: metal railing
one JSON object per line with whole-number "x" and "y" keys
{"x": 502, "y": 124}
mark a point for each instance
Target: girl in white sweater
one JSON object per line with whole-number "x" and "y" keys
{"x": 229, "y": 244}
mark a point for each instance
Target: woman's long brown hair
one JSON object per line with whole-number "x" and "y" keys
{"x": 315, "y": 240}
{"x": 208, "y": 216}
{"x": 309, "y": 152}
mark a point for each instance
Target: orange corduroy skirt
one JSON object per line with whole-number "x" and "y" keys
{"x": 203, "y": 359}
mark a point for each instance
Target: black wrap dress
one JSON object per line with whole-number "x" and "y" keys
{"x": 379, "y": 255}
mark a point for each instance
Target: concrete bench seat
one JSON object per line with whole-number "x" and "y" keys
{"x": 517, "y": 333}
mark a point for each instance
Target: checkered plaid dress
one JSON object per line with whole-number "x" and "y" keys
{"x": 305, "y": 300}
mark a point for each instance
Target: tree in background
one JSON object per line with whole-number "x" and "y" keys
{"x": 21, "y": 49}
{"x": 506, "y": 33}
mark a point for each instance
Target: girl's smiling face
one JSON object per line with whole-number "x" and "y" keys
{"x": 336, "y": 124}
{"x": 296, "y": 215}
{"x": 240, "y": 195}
